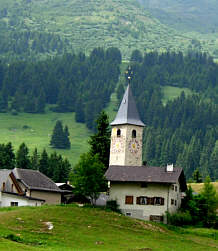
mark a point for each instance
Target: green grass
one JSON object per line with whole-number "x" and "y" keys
{"x": 78, "y": 228}
{"x": 170, "y": 93}
{"x": 38, "y": 133}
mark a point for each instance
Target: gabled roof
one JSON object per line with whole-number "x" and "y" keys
{"x": 146, "y": 174}
{"x": 128, "y": 113}
{"x": 35, "y": 180}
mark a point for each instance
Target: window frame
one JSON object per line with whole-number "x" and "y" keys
{"x": 129, "y": 199}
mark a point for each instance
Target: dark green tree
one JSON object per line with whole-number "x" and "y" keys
{"x": 60, "y": 137}
{"x": 34, "y": 160}
{"x": 88, "y": 176}
{"x": 100, "y": 142}
{"x": 22, "y": 157}
{"x": 44, "y": 163}
{"x": 197, "y": 177}
{"x": 211, "y": 202}
{"x": 7, "y": 157}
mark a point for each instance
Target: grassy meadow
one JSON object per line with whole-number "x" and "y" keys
{"x": 197, "y": 187}
{"x": 76, "y": 228}
{"x": 36, "y": 129}
{"x": 171, "y": 92}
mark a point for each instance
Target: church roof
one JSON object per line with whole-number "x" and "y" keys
{"x": 146, "y": 174}
{"x": 128, "y": 113}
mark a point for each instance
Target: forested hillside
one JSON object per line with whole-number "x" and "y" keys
{"x": 189, "y": 15}
{"x": 71, "y": 83}
{"x": 185, "y": 131}
{"x": 37, "y": 29}
{"x": 182, "y": 131}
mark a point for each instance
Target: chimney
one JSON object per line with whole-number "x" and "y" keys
{"x": 169, "y": 168}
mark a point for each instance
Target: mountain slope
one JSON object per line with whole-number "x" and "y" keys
{"x": 82, "y": 25}
{"x": 189, "y": 15}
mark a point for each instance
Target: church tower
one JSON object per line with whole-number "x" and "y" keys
{"x": 126, "y": 134}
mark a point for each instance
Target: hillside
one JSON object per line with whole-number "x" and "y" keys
{"x": 36, "y": 129}
{"x": 186, "y": 15}
{"x": 76, "y": 228}
{"x": 32, "y": 29}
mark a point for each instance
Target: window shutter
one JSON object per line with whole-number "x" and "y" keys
{"x": 129, "y": 200}
{"x": 162, "y": 201}
{"x": 138, "y": 200}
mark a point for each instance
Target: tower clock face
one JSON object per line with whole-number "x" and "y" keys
{"x": 134, "y": 146}
{"x": 117, "y": 145}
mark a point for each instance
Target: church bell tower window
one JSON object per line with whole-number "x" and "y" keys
{"x": 118, "y": 133}
{"x": 133, "y": 134}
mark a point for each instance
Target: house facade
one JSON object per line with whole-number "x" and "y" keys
{"x": 141, "y": 192}
{"x": 25, "y": 187}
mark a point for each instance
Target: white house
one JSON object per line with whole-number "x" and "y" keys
{"x": 25, "y": 187}
{"x": 142, "y": 192}
{"x": 11, "y": 193}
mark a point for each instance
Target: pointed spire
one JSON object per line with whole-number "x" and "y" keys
{"x": 128, "y": 113}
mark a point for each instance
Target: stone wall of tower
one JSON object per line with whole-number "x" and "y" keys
{"x": 126, "y": 148}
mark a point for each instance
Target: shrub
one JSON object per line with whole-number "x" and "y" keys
{"x": 113, "y": 206}
{"x": 179, "y": 218}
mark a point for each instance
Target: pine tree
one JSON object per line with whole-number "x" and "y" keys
{"x": 7, "y": 157}
{"x": 22, "y": 157}
{"x": 34, "y": 160}
{"x": 60, "y": 137}
{"x": 44, "y": 163}
{"x": 100, "y": 142}
{"x": 67, "y": 140}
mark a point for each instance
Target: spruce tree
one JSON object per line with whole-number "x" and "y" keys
{"x": 100, "y": 142}
{"x": 60, "y": 137}
{"x": 22, "y": 157}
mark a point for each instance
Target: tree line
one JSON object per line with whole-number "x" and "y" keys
{"x": 53, "y": 166}
{"x": 71, "y": 83}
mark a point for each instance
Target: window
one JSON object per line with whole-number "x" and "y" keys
{"x": 172, "y": 187}
{"x": 14, "y": 204}
{"x": 142, "y": 200}
{"x": 128, "y": 214}
{"x": 133, "y": 133}
{"x": 172, "y": 201}
{"x": 3, "y": 186}
{"x": 158, "y": 201}
{"x": 129, "y": 200}
{"x": 175, "y": 202}
{"x": 118, "y": 133}
{"x": 176, "y": 188}
{"x": 157, "y": 218}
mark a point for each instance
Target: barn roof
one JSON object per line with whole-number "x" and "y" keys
{"x": 146, "y": 174}
{"x": 128, "y": 113}
{"x": 35, "y": 180}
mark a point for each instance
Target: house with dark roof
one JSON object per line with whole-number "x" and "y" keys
{"x": 141, "y": 191}
{"x": 11, "y": 193}
{"x": 35, "y": 184}
{"x": 25, "y": 187}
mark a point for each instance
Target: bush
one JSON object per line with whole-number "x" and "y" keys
{"x": 179, "y": 218}
{"x": 113, "y": 206}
